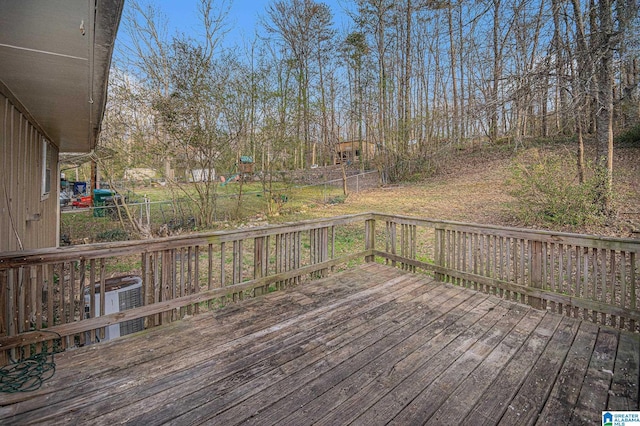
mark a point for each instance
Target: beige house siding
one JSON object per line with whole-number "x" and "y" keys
{"x": 28, "y": 219}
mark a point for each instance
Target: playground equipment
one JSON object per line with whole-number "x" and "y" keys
{"x": 242, "y": 170}
{"x": 246, "y": 165}
{"x": 231, "y": 178}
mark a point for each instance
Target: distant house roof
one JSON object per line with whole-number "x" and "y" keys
{"x": 54, "y": 60}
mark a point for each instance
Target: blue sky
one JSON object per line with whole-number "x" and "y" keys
{"x": 243, "y": 17}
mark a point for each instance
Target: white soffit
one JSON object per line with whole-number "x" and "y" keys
{"x": 54, "y": 59}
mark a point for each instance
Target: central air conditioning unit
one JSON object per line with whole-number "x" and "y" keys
{"x": 121, "y": 293}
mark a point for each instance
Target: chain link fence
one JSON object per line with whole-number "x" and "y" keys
{"x": 127, "y": 220}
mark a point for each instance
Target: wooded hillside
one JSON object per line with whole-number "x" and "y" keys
{"x": 415, "y": 78}
{"x": 477, "y": 187}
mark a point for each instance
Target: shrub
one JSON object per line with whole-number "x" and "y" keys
{"x": 629, "y": 137}
{"x": 547, "y": 191}
{"x": 112, "y": 235}
{"x": 338, "y": 199}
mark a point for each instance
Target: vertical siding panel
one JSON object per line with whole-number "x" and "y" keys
{"x": 30, "y": 208}
{"x": 48, "y": 208}
{"x": 21, "y": 172}
{"x": 15, "y": 231}
{"x": 53, "y": 206}
{"x": 5, "y": 228}
{"x": 36, "y": 182}
{"x": 19, "y": 201}
{"x": 33, "y": 175}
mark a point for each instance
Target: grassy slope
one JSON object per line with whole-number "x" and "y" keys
{"x": 474, "y": 189}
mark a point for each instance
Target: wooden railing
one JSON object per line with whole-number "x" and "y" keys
{"x": 589, "y": 277}
{"x": 54, "y": 295}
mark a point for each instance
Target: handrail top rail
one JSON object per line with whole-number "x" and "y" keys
{"x": 97, "y": 250}
{"x": 629, "y": 244}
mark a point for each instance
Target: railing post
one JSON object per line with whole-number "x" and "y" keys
{"x": 258, "y": 258}
{"x": 369, "y": 238}
{"x": 439, "y": 254}
{"x": 391, "y": 240}
{"x": 324, "y": 248}
{"x": 4, "y": 312}
{"x": 168, "y": 283}
{"x": 536, "y": 273}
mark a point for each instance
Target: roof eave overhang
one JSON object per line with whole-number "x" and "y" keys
{"x": 55, "y": 58}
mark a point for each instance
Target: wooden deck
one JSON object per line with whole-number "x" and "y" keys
{"x": 372, "y": 345}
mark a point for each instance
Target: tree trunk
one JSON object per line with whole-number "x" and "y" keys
{"x": 406, "y": 104}
{"x": 455, "y": 135}
{"x": 497, "y": 58}
{"x": 604, "y": 113}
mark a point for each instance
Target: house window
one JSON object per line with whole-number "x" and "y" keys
{"x": 47, "y": 160}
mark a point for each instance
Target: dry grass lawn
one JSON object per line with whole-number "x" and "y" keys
{"x": 475, "y": 189}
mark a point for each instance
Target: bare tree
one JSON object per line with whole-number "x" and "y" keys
{"x": 373, "y": 16}
{"x": 355, "y": 51}
{"x": 304, "y": 27}
{"x": 415, "y": 77}
{"x": 179, "y": 83}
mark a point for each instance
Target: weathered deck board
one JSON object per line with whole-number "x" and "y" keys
{"x": 497, "y": 398}
{"x": 459, "y": 402}
{"x": 372, "y": 345}
{"x": 392, "y": 403}
{"x": 350, "y": 398}
{"x": 169, "y": 362}
{"x": 597, "y": 382}
{"x": 533, "y": 394}
{"x": 624, "y": 389}
{"x": 249, "y": 378}
{"x": 371, "y": 361}
{"x": 566, "y": 390}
